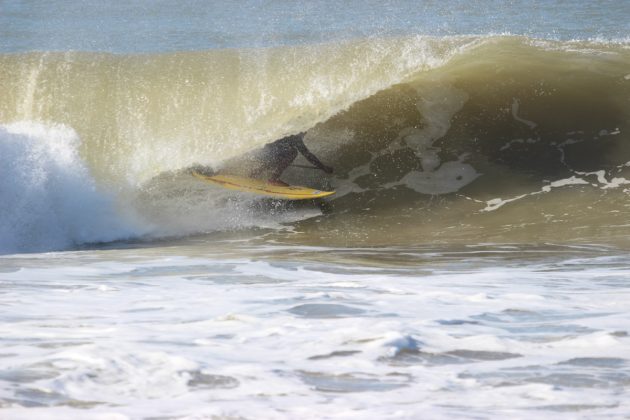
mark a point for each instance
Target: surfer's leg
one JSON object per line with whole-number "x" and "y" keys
{"x": 282, "y": 162}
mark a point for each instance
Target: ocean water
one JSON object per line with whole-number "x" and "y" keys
{"x": 472, "y": 264}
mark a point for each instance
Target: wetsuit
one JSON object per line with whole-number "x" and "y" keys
{"x": 278, "y": 155}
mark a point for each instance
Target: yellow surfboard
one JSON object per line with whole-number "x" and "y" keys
{"x": 258, "y": 186}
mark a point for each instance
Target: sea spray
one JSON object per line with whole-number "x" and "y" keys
{"x": 49, "y": 200}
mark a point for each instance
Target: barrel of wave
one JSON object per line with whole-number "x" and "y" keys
{"x": 139, "y": 115}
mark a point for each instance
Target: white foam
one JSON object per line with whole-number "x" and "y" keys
{"x": 515, "y": 108}
{"x": 579, "y": 178}
{"x": 497, "y": 203}
{"x": 49, "y": 200}
{"x": 228, "y": 340}
{"x": 449, "y": 177}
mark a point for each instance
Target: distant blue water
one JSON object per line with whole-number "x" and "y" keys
{"x": 161, "y": 25}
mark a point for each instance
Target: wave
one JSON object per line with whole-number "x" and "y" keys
{"x": 493, "y": 122}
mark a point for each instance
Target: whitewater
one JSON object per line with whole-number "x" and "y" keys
{"x": 472, "y": 263}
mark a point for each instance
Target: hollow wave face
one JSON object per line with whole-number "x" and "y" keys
{"x": 457, "y": 138}
{"x": 510, "y": 140}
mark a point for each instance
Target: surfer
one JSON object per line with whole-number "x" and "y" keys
{"x": 277, "y": 156}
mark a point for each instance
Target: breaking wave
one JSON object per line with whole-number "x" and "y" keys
{"x": 440, "y": 135}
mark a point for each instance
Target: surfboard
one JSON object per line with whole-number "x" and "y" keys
{"x": 258, "y": 186}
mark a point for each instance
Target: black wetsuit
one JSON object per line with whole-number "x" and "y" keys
{"x": 278, "y": 155}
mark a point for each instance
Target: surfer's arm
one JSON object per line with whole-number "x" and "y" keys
{"x": 301, "y": 147}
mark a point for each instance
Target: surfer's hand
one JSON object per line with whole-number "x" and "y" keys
{"x": 327, "y": 169}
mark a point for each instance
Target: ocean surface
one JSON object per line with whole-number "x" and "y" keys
{"x": 472, "y": 264}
